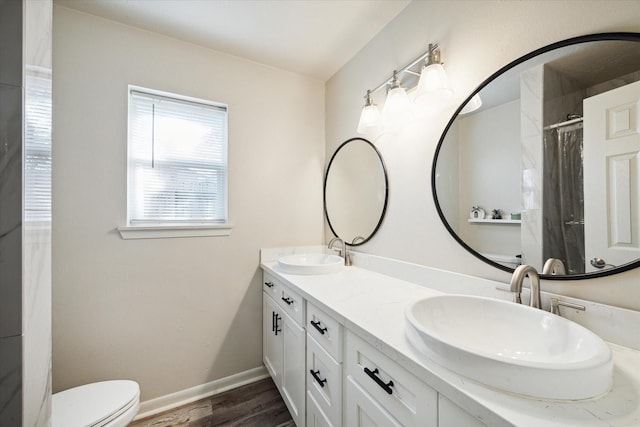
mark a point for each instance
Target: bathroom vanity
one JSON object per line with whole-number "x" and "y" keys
{"x": 336, "y": 348}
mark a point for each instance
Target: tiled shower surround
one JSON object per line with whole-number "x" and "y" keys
{"x": 25, "y": 245}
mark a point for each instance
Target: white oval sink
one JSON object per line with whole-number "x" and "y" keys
{"x": 311, "y": 263}
{"x": 511, "y": 347}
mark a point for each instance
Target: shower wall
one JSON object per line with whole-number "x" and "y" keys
{"x": 562, "y": 96}
{"x": 531, "y": 96}
{"x": 25, "y": 242}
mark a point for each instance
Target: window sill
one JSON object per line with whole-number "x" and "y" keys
{"x": 173, "y": 231}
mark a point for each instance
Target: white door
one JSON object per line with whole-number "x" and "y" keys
{"x": 272, "y": 338}
{"x": 611, "y": 176}
{"x": 293, "y": 371}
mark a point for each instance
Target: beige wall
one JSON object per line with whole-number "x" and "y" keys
{"x": 170, "y": 313}
{"x": 476, "y": 39}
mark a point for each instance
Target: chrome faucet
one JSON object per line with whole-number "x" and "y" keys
{"x": 516, "y": 284}
{"x": 342, "y": 252}
{"x": 554, "y": 266}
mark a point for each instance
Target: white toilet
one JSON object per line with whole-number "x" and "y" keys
{"x": 103, "y": 404}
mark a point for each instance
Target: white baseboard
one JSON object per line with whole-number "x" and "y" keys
{"x": 182, "y": 397}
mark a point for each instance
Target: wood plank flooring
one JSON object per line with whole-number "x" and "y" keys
{"x": 254, "y": 405}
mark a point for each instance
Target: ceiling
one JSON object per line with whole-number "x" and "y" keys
{"x": 310, "y": 37}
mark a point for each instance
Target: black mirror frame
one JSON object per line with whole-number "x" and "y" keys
{"x": 617, "y": 36}
{"x": 386, "y": 190}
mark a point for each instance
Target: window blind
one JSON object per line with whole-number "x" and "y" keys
{"x": 37, "y": 147}
{"x": 177, "y": 171}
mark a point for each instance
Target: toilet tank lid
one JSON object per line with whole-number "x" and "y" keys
{"x": 89, "y": 404}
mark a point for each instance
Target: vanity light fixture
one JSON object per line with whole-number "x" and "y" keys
{"x": 370, "y": 120}
{"x": 397, "y": 104}
{"x": 434, "y": 83}
{"x": 432, "y": 87}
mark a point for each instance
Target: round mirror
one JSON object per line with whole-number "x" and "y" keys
{"x": 355, "y": 191}
{"x": 546, "y": 171}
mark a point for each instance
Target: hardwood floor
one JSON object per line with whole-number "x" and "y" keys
{"x": 253, "y": 405}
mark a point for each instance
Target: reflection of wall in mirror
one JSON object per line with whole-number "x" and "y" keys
{"x": 355, "y": 191}
{"x": 448, "y": 180}
{"x": 489, "y": 158}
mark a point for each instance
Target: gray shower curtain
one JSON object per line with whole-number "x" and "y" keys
{"x": 563, "y": 197}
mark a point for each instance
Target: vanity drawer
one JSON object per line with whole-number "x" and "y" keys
{"x": 326, "y": 330}
{"x": 405, "y": 397}
{"x": 361, "y": 410}
{"x": 324, "y": 381}
{"x": 291, "y": 302}
{"x": 270, "y": 285}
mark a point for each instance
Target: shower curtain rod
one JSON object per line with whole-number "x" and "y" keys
{"x": 566, "y": 123}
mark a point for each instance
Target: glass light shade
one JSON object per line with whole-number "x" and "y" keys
{"x": 370, "y": 120}
{"x": 474, "y": 103}
{"x": 433, "y": 85}
{"x": 396, "y": 107}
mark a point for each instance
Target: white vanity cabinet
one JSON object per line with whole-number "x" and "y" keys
{"x": 283, "y": 340}
{"x": 330, "y": 377}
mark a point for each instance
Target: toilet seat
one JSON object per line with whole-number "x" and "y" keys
{"x": 96, "y": 405}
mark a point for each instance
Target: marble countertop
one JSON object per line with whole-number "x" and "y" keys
{"x": 372, "y": 305}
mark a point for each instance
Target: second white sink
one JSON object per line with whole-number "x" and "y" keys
{"x": 511, "y": 347}
{"x": 311, "y": 263}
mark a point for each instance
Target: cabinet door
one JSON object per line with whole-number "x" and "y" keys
{"x": 315, "y": 416}
{"x": 293, "y": 371}
{"x": 362, "y": 411}
{"x": 272, "y": 338}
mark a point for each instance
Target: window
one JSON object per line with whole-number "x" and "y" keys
{"x": 177, "y": 162}
{"x": 37, "y": 146}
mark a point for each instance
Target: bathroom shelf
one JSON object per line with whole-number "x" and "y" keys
{"x": 496, "y": 221}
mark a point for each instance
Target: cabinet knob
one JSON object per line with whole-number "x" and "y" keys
{"x": 288, "y": 300}
{"x": 269, "y": 284}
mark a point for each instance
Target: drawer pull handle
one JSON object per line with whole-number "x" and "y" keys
{"x": 373, "y": 375}
{"x": 276, "y": 327}
{"x": 317, "y": 378}
{"x": 317, "y": 326}
{"x": 288, "y": 300}
{"x": 273, "y": 321}
{"x": 269, "y": 284}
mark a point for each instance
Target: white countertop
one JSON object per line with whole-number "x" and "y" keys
{"x": 372, "y": 305}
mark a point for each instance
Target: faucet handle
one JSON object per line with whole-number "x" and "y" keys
{"x": 556, "y": 303}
